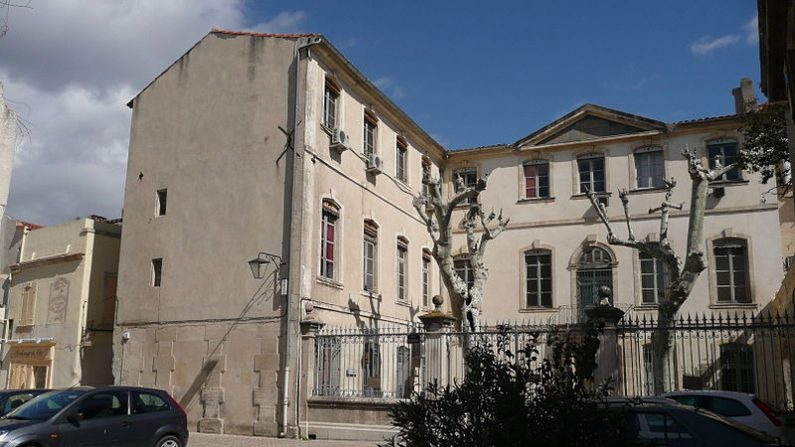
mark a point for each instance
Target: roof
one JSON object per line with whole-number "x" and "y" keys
{"x": 31, "y": 226}
{"x": 254, "y": 34}
{"x": 707, "y": 119}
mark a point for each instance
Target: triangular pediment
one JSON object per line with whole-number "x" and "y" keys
{"x": 590, "y": 122}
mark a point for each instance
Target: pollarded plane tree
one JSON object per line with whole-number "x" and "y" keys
{"x": 681, "y": 273}
{"x": 437, "y": 214}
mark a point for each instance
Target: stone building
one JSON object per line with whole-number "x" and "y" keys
{"x": 269, "y": 183}
{"x": 61, "y": 306}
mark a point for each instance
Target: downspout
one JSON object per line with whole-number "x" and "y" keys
{"x": 85, "y": 289}
{"x": 295, "y": 265}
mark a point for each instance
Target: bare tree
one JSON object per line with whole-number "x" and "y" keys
{"x": 682, "y": 274}
{"x": 437, "y": 214}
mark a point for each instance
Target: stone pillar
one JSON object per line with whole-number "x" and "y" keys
{"x": 436, "y": 347}
{"x": 310, "y": 326}
{"x": 607, "y": 356}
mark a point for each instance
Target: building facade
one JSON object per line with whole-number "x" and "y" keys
{"x": 61, "y": 307}
{"x": 269, "y": 183}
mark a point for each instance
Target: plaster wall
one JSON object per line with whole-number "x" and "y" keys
{"x": 566, "y": 222}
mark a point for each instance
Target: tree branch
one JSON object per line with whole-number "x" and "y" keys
{"x": 622, "y": 194}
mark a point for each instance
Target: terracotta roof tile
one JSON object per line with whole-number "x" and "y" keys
{"x": 32, "y": 226}
{"x": 708, "y": 119}
{"x": 255, "y": 34}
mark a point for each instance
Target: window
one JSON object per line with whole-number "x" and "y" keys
{"x": 426, "y": 172}
{"x": 737, "y": 368}
{"x": 594, "y": 270}
{"x": 104, "y": 404}
{"x": 143, "y": 402}
{"x": 731, "y": 271}
{"x": 402, "y": 268}
{"x": 536, "y": 179}
{"x": 370, "y": 133}
{"x": 328, "y": 239}
{"x": 401, "y": 156}
{"x": 10, "y": 329}
{"x": 724, "y": 151}
{"x": 426, "y": 278}
{"x": 648, "y": 370}
{"x": 161, "y": 202}
{"x": 463, "y": 268}
{"x": 653, "y": 279}
{"x": 469, "y": 177}
{"x": 538, "y": 265}
{"x": 592, "y": 173}
{"x": 27, "y": 316}
{"x": 649, "y": 167}
{"x": 662, "y": 429}
{"x": 370, "y": 255}
{"x": 157, "y": 271}
{"x": 331, "y": 97}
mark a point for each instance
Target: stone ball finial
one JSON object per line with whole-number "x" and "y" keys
{"x": 437, "y": 301}
{"x": 605, "y": 295}
{"x": 309, "y": 307}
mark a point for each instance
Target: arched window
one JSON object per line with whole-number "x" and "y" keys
{"x": 731, "y": 270}
{"x": 329, "y": 243}
{"x": 594, "y": 269}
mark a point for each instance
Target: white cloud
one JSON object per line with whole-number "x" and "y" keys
{"x": 70, "y": 66}
{"x": 752, "y": 30}
{"x": 706, "y": 44}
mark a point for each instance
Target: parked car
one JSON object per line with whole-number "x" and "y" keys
{"x": 107, "y": 416}
{"x": 10, "y": 400}
{"x": 656, "y": 423}
{"x": 741, "y": 407}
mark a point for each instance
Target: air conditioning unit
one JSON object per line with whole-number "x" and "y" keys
{"x": 375, "y": 165}
{"x": 340, "y": 140}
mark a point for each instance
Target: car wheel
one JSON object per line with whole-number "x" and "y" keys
{"x": 169, "y": 441}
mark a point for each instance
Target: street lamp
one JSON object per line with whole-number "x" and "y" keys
{"x": 263, "y": 259}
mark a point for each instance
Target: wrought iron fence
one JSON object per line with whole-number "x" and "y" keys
{"x": 392, "y": 362}
{"x": 730, "y": 352}
{"x": 737, "y": 352}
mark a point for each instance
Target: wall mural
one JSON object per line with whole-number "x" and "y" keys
{"x": 59, "y": 298}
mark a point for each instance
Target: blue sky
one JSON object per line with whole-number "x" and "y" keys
{"x": 470, "y": 73}
{"x": 475, "y": 73}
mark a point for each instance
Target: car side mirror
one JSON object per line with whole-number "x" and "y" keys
{"x": 75, "y": 418}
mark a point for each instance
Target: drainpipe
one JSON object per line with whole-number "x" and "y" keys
{"x": 295, "y": 265}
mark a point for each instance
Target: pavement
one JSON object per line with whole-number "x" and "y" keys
{"x": 207, "y": 440}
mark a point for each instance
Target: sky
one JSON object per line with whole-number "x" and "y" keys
{"x": 471, "y": 73}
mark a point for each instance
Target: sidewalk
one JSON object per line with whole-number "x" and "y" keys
{"x": 205, "y": 440}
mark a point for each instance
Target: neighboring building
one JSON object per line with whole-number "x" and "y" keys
{"x": 231, "y": 154}
{"x": 8, "y": 142}
{"x": 61, "y": 306}
{"x": 777, "y": 58}
{"x": 269, "y": 143}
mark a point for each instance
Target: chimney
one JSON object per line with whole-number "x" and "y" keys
{"x": 744, "y": 97}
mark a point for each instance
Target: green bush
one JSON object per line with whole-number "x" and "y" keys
{"x": 515, "y": 399}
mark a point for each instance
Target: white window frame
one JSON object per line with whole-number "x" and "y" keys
{"x": 655, "y": 180}
{"x": 589, "y": 158}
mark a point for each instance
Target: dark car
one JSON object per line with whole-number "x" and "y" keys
{"x": 108, "y": 416}
{"x": 674, "y": 425}
{"x": 10, "y": 400}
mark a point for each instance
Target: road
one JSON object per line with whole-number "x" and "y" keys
{"x": 205, "y": 440}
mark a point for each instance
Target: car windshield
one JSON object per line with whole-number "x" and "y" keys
{"x": 46, "y": 405}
